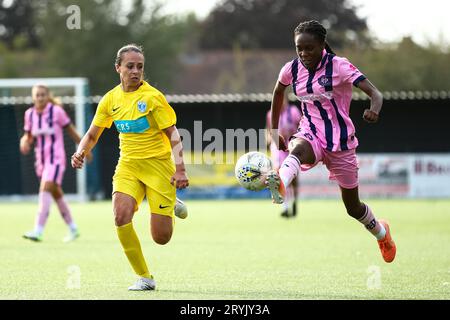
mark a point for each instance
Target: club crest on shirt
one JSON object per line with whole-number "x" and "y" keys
{"x": 142, "y": 106}
{"x": 324, "y": 80}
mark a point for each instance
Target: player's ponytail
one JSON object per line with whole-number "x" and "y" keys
{"x": 328, "y": 48}
{"x": 54, "y": 100}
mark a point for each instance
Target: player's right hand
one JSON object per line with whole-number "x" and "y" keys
{"x": 370, "y": 116}
{"x": 179, "y": 180}
{"x": 25, "y": 148}
{"x": 77, "y": 159}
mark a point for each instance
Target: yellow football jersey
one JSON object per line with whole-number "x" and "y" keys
{"x": 139, "y": 116}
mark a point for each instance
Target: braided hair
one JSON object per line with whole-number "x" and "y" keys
{"x": 129, "y": 47}
{"x": 316, "y": 29}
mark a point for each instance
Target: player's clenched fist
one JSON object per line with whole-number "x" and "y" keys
{"x": 77, "y": 159}
{"x": 25, "y": 144}
{"x": 370, "y": 116}
{"x": 180, "y": 180}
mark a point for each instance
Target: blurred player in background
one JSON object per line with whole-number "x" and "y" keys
{"x": 288, "y": 123}
{"x": 148, "y": 136}
{"x": 43, "y": 125}
{"x": 323, "y": 83}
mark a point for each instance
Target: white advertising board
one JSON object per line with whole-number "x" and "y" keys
{"x": 430, "y": 176}
{"x": 387, "y": 175}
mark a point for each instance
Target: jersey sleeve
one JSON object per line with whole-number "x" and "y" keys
{"x": 27, "y": 120}
{"x": 285, "y": 76}
{"x": 349, "y": 73}
{"x": 163, "y": 113}
{"x": 62, "y": 117}
{"x": 102, "y": 117}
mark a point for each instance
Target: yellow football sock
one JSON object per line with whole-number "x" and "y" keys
{"x": 132, "y": 248}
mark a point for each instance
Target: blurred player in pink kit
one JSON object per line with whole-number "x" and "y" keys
{"x": 43, "y": 125}
{"x": 323, "y": 84}
{"x": 288, "y": 123}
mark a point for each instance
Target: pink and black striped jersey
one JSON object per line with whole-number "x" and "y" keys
{"x": 47, "y": 129}
{"x": 325, "y": 95}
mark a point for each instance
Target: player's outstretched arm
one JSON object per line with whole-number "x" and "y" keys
{"x": 180, "y": 177}
{"x": 87, "y": 143}
{"x": 376, "y": 101}
{"x": 73, "y": 134}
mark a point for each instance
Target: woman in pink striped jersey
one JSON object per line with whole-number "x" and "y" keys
{"x": 289, "y": 119}
{"x": 323, "y": 84}
{"x": 43, "y": 125}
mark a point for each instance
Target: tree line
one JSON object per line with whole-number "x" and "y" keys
{"x": 46, "y": 39}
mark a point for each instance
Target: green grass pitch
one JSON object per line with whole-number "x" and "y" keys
{"x": 233, "y": 250}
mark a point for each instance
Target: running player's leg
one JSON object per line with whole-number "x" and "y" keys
{"x": 128, "y": 193}
{"x": 361, "y": 212}
{"x": 301, "y": 153}
{"x": 379, "y": 228}
{"x": 64, "y": 210}
{"x": 161, "y": 228}
{"x": 63, "y": 207}
{"x": 289, "y": 205}
{"x": 124, "y": 207}
{"x": 45, "y": 200}
{"x": 54, "y": 177}
{"x": 343, "y": 168}
{"x": 161, "y": 196}
{"x": 278, "y": 156}
{"x": 294, "y": 185}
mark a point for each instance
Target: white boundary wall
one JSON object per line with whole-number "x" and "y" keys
{"x": 398, "y": 175}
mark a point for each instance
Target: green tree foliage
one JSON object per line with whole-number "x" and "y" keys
{"x": 36, "y": 41}
{"x": 17, "y": 19}
{"x": 105, "y": 27}
{"x": 404, "y": 66}
{"x": 89, "y": 48}
{"x": 270, "y": 24}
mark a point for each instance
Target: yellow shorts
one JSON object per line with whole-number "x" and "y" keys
{"x": 147, "y": 177}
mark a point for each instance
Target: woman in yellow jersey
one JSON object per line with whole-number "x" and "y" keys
{"x": 148, "y": 136}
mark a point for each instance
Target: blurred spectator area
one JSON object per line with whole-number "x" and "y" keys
{"x": 235, "y": 71}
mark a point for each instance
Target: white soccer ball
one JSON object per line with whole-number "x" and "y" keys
{"x": 250, "y": 170}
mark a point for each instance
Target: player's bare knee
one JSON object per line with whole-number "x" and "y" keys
{"x": 296, "y": 151}
{"x": 57, "y": 192}
{"x": 48, "y": 187}
{"x": 119, "y": 220}
{"x": 302, "y": 150}
{"x": 122, "y": 215}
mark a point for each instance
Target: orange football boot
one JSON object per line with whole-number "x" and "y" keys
{"x": 387, "y": 245}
